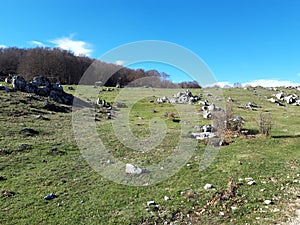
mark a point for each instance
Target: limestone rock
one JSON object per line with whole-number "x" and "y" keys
{"x": 132, "y": 169}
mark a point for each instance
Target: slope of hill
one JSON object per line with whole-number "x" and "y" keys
{"x": 255, "y": 177}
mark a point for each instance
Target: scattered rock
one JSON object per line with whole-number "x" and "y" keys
{"x": 230, "y": 99}
{"x": 132, "y": 169}
{"x": 120, "y": 105}
{"x": 4, "y": 88}
{"x": 42, "y": 86}
{"x": 151, "y": 203}
{"x": 166, "y": 198}
{"x": 251, "y": 182}
{"x": 6, "y": 193}
{"x": 50, "y": 196}
{"x": 4, "y": 152}
{"x": 206, "y": 114}
{"x": 208, "y": 186}
{"x": 221, "y": 213}
{"x": 24, "y": 146}
{"x": 279, "y": 96}
{"x": 29, "y": 131}
{"x": 152, "y": 206}
{"x": 268, "y": 202}
{"x": 203, "y": 135}
{"x": 55, "y": 151}
{"x": 40, "y": 117}
{"x": 109, "y": 161}
{"x": 233, "y": 208}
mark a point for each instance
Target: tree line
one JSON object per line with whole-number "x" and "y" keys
{"x": 64, "y": 67}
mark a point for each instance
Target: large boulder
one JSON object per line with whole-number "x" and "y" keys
{"x": 290, "y": 99}
{"x": 41, "y": 81}
{"x": 19, "y": 83}
{"x": 43, "y": 87}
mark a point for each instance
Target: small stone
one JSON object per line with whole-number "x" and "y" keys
{"x": 132, "y": 169}
{"x": 166, "y": 198}
{"x": 151, "y": 203}
{"x": 29, "y": 131}
{"x": 221, "y": 213}
{"x": 50, "y": 196}
{"x": 23, "y": 145}
{"x": 248, "y": 179}
{"x": 251, "y": 182}
{"x": 268, "y": 202}
{"x": 208, "y": 186}
{"x": 109, "y": 161}
{"x": 233, "y": 208}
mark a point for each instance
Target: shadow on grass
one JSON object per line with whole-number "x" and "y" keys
{"x": 249, "y": 131}
{"x": 286, "y": 136}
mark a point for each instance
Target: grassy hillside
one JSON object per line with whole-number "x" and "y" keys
{"x": 48, "y": 160}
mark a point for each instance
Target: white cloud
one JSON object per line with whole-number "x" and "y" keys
{"x": 78, "y": 47}
{"x": 261, "y": 82}
{"x": 37, "y": 43}
{"x": 3, "y": 46}
{"x": 120, "y": 62}
{"x": 271, "y": 83}
{"x": 220, "y": 84}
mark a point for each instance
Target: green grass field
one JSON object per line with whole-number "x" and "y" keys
{"x": 33, "y": 166}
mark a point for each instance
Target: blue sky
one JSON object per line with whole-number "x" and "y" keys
{"x": 241, "y": 41}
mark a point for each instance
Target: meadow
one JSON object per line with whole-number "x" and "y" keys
{"x": 33, "y": 165}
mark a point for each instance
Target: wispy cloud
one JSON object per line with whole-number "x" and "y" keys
{"x": 120, "y": 62}
{"x": 298, "y": 74}
{"x": 37, "y": 43}
{"x": 3, "y": 46}
{"x": 78, "y": 47}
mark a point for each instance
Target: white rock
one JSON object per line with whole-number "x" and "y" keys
{"x": 206, "y": 114}
{"x": 272, "y": 100}
{"x": 166, "y": 198}
{"x": 109, "y": 161}
{"x": 153, "y": 203}
{"x": 208, "y": 186}
{"x": 233, "y": 208}
{"x": 279, "y": 96}
{"x": 268, "y": 202}
{"x": 132, "y": 169}
{"x": 248, "y": 179}
{"x": 251, "y": 182}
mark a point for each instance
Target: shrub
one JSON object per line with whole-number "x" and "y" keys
{"x": 265, "y": 123}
